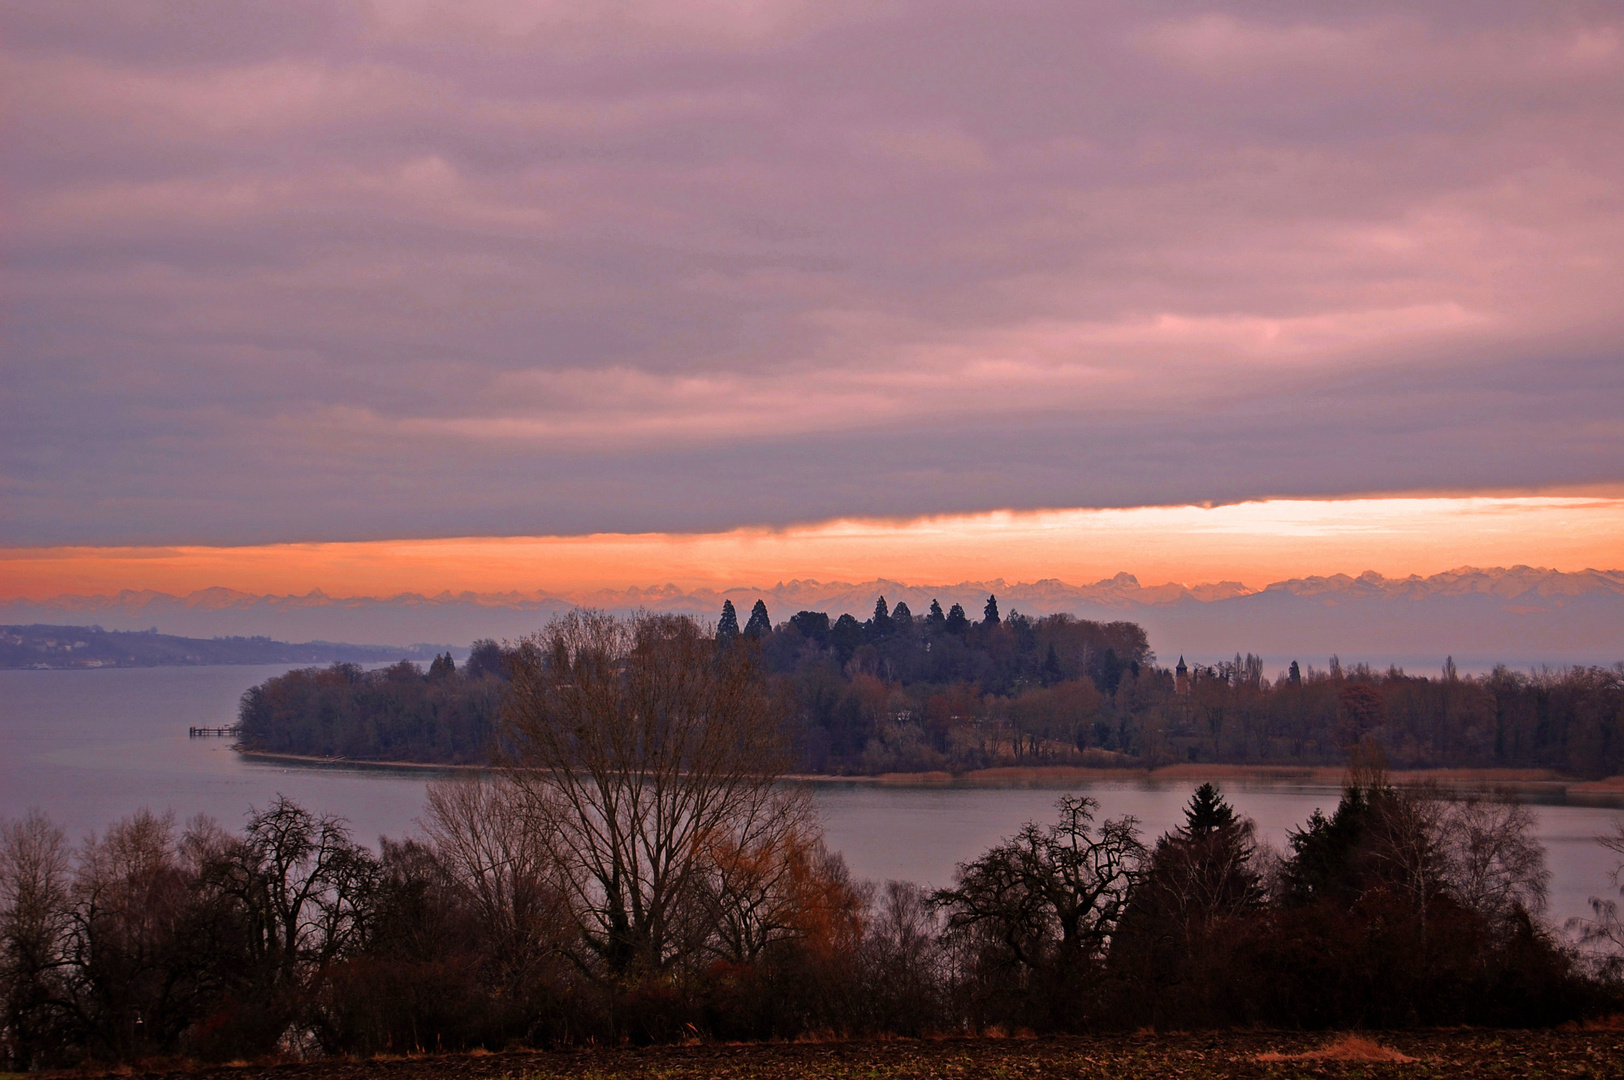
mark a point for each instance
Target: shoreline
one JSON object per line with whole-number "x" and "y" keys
{"x": 266, "y": 757}
{"x": 1548, "y": 782}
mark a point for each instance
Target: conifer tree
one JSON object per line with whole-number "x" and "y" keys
{"x": 727, "y": 627}
{"x": 957, "y": 620}
{"x": 759, "y": 625}
{"x": 1207, "y": 813}
{"x": 901, "y": 617}
{"x": 880, "y": 624}
{"x": 935, "y": 618}
{"x": 989, "y": 614}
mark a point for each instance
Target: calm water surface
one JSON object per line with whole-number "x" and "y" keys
{"x": 88, "y": 747}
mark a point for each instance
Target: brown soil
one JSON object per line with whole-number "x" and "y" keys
{"x": 1467, "y": 1054}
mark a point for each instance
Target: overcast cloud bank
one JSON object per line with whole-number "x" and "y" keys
{"x": 359, "y": 270}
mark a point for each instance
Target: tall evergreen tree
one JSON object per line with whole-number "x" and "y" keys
{"x": 759, "y": 625}
{"x": 901, "y": 617}
{"x": 989, "y": 614}
{"x": 1177, "y": 938}
{"x": 1325, "y": 852}
{"x": 957, "y": 620}
{"x": 880, "y": 624}
{"x": 935, "y": 619}
{"x": 1207, "y": 813}
{"x": 727, "y": 627}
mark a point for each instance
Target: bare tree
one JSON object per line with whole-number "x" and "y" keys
{"x": 142, "y": 943}
{"x": 35, "y": 920}
{"x": 785, "y": 887}
{"x": 1404, "y": 840}
{"x": 642, "y": 747}
{"x": 1605, "y": 933}
{"x": 904, "y": 967}
{"x": 484, "y": 839}
{"x": 1494, "y": 863}
{"x": 300, "y": 889}
{"x": 1054, "y": 894}
{"x": 1035, "y": 915}
{"x": 1478, "y": 851}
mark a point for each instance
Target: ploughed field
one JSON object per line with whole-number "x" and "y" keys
{"x": 1466, "y": 1054}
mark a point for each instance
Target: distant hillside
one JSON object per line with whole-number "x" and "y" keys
{"x": 1520, "y": 615}
{"x": 43, "y": 646}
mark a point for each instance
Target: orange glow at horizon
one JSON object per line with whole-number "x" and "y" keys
{"x": 1254, "y": 543}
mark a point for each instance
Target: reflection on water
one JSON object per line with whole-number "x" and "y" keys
{"x": 90, "y": 746}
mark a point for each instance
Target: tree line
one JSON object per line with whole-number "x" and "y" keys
{"x": 899, "y": 692}
{"x": 397, "y": 713}
{"x": 634, "y": 869}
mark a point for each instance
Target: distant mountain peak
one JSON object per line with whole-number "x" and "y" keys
{"x": 1505, "y": 582}
{"x": 1497, "y": 613}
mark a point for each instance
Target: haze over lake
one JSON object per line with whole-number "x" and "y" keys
{"x": 88, "y": 747}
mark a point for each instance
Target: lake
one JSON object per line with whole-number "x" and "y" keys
{"x": 89, "y": 747}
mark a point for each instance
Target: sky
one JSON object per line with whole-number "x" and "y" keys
{"x": 397, "y": 272}
{"x": 1250, "y": 544}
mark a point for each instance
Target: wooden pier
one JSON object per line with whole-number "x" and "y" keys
{"x": 194, "y": 732}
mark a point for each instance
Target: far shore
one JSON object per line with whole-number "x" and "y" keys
{"x": 1531, "y": 782}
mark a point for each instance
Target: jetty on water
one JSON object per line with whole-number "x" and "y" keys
{"x": 194, "y": 732}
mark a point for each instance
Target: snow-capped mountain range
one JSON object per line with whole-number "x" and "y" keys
{"x": 1521, "y": 615}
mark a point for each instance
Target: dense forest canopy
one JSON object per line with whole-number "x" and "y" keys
{"x": 397, "y": 713}
{"x": 943, "y": 690}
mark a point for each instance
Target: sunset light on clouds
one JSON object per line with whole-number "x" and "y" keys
{"x": 1253, "y": 543}
{"x": 620, "y": 294}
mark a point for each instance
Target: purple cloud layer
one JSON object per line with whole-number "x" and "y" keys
{"x": 357, "y": 270}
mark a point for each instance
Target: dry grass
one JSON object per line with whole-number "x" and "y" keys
{"x": 1459, "y": 1054}
{"x": 1349, "y": 1047}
